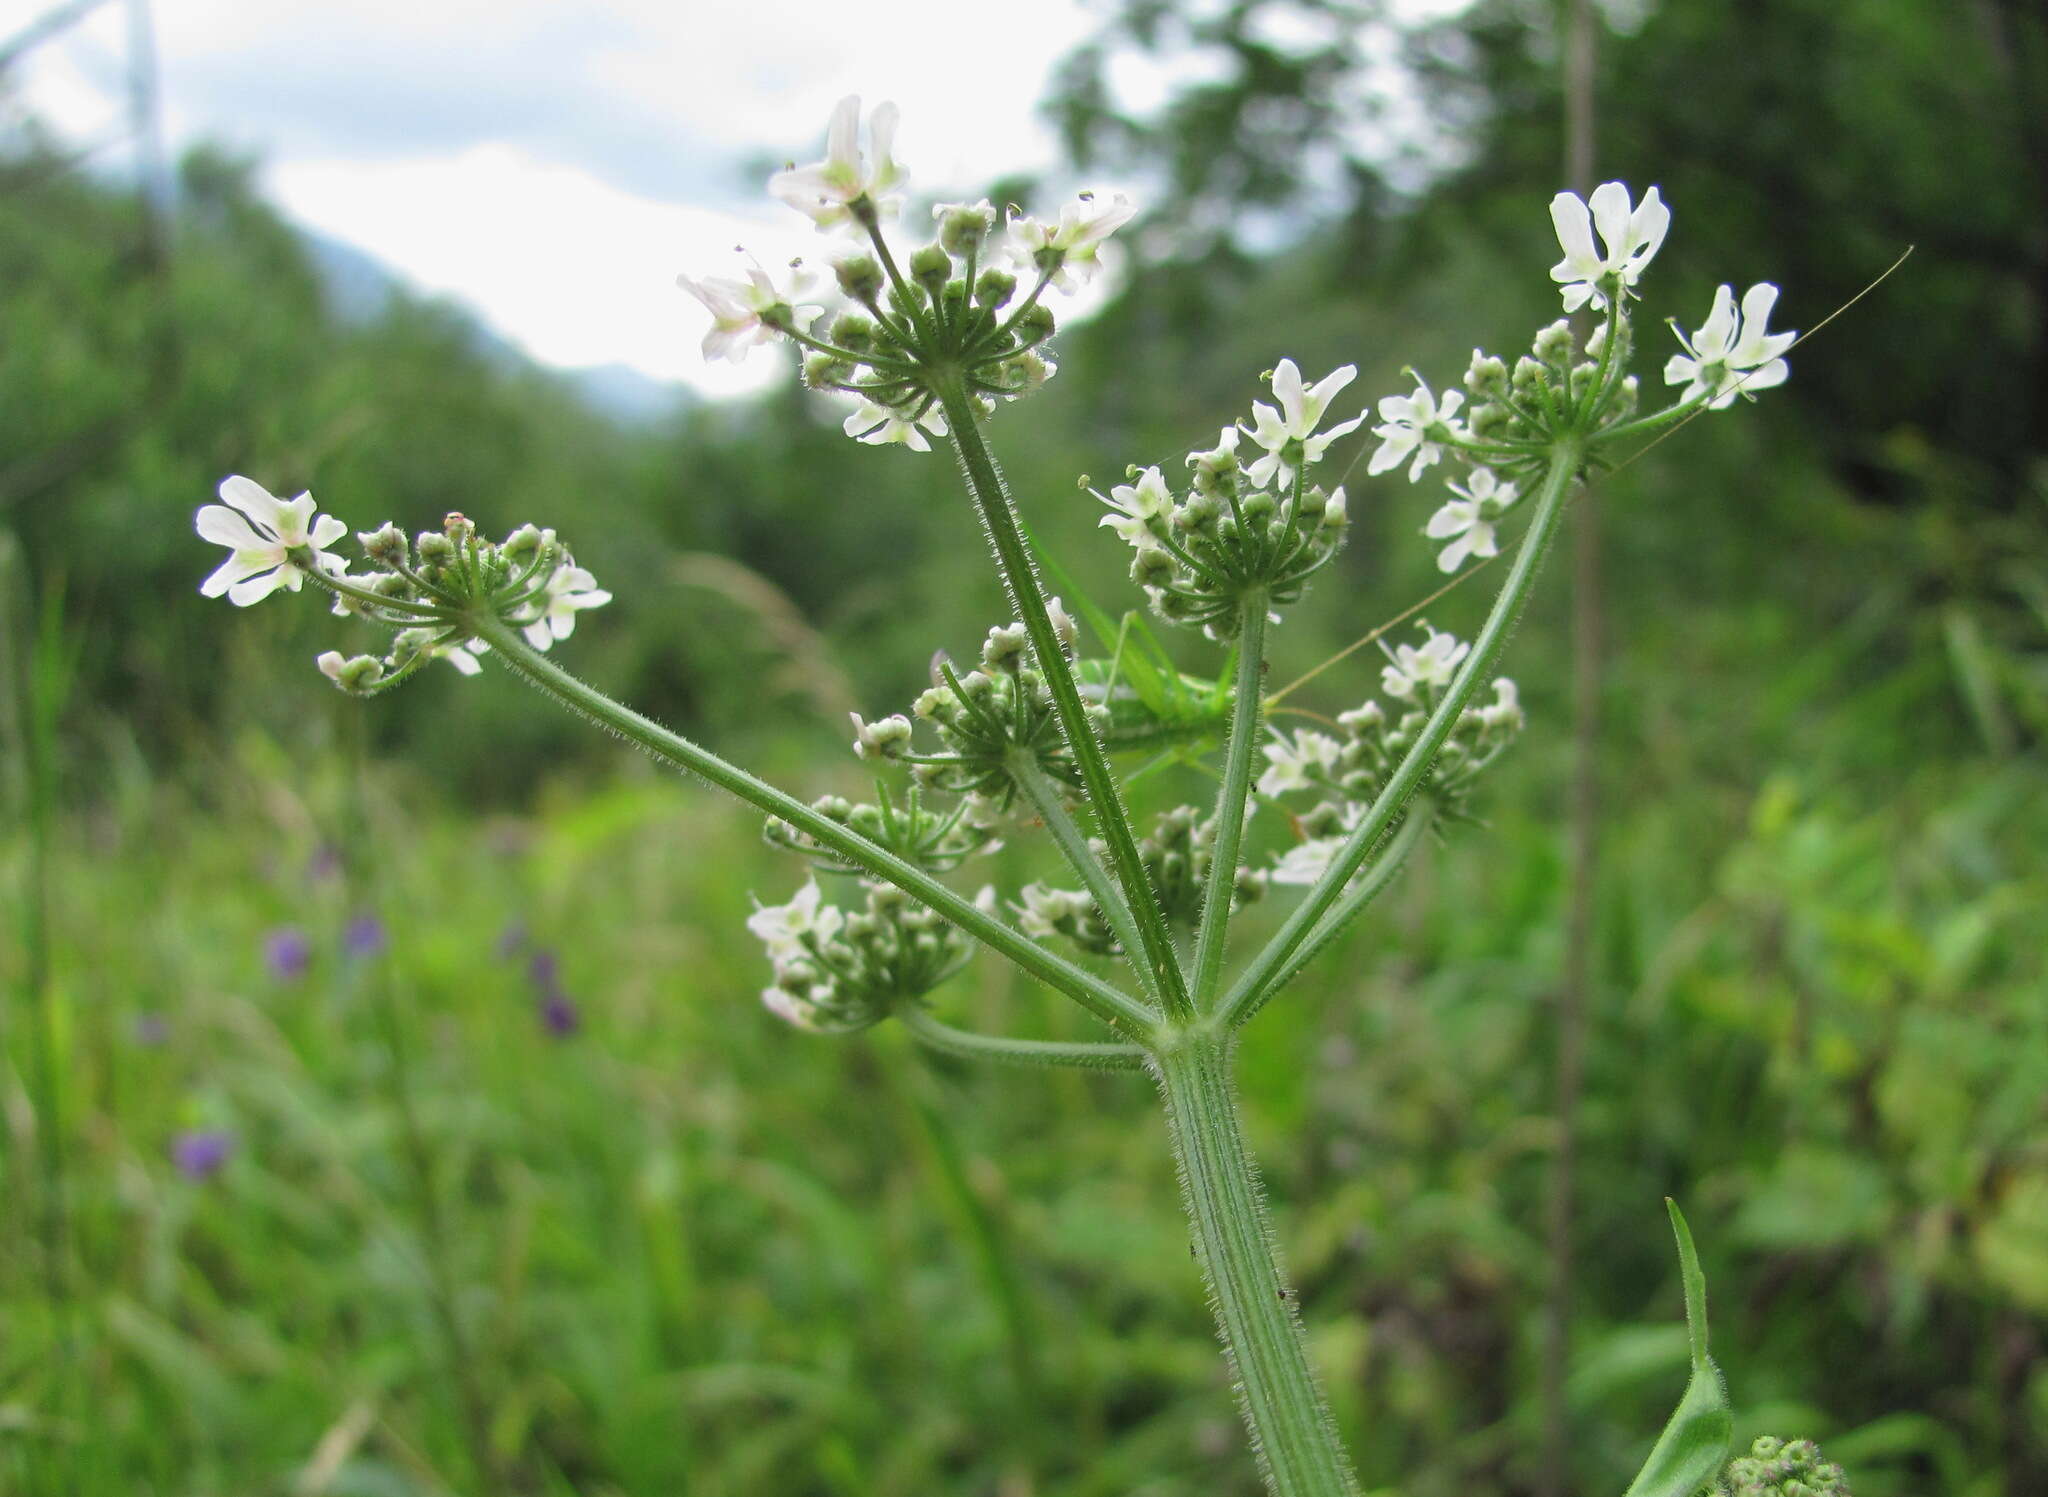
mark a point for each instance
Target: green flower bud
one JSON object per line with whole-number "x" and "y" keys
{"x": 853, "y": 330}
{"x": 931, "y": 267}
{"x": 965, "y": 226}
{"x": 860, "y": 277}
{"x": 992, "y": 288}
{"x": 385, "y": 546}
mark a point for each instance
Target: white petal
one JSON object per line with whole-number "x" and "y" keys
{"x": 1610, "y": 216}
{"x": 252, "y": 499}
{"x": 256, "y": 589}
{"x": 1574, "y": 233}
{"x": 224, "y": 527}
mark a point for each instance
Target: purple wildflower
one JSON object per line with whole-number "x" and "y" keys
{"x": 199, "y": 1153}
{"x": 287, "y": 952}
{"x": 324, "y": 864}
{"x": 363, "y": 937}
{"x": 151, "y": 1030}
{"x": 559, "y": 1016}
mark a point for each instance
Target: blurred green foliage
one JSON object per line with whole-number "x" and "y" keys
{"x": 690, "y": 1251}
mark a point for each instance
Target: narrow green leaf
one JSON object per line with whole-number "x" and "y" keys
{"x": 1695, "y": 1443}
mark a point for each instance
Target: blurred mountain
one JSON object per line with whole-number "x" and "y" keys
{"x": 360, "y": 289}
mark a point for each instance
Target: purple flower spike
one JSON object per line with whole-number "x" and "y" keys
{"x": 199, "y": 1153}
{"x": 364, "y": 937}
{"x": 152, "y": 1030}
{"x": 558, "y": 1016}
{"x": 287, "y": 952}
{"x": 544, "y": 970}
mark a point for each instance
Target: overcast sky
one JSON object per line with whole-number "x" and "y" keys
{"x": 554, "y": 164}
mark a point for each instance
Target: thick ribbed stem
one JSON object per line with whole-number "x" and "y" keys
{"x": 1289, "y": 1423}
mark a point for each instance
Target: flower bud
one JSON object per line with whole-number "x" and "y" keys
{"x": 1063, "y": 626}
{"x": 1489, "y": 420}
{"x": 434, "y": 548}
{"x": 1198, "y": 513}
{"x": 357, "y": 674}
{"x": 1004, "y": 650}
{"x": 1529, "y": 375}
{"x": 964, "y": 226}
{"x": 931, "y": 267}
{"x": 1487, "y": 378}
{"x": 1554, "y": 344}
{"x": 860, "y": 277}
{"x": 385, "y": 545}
{"x": 824, "y": 371}
{"x": 1036, "y": 324}
{"x": 1152, "y": 568}
{"x": 992, "y": 288}
{"x": 853, "y": 331}
{"x": 887, "y": 739}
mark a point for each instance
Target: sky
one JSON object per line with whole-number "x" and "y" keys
{"x": 555, "y": 164}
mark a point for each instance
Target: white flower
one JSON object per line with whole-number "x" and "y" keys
{"x": 1137, "y": 506}
{"x": 1430, "y": 666}
{"x": 1632, "y": 238}
{"x": 1505, "y": 711}
{"x": 1044, "y": 909}
{"x": 1295, "y": 421}
{"x": 1074, "y": 246}
{"x": 1293, "y": 766}
{"x": 569, "y": 590}
{"x": 736, "y": 308}
{"x": 1731, "y": 355}
{"x": 261, "y": 540}
{"x": 1418, "y": 423}
{"x": 1470, "y": 517}
{"x": 1306, "y": 862}
{"x": 880, "y": 424}
{"x": 827, "y": 190}
{"x": 782, "y": 927}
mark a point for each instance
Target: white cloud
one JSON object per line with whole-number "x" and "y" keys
{"x": 555, "y": 166}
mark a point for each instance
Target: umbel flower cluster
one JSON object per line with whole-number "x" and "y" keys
{"x": 968, "y": 302}
{"x": 836, "y": 973}
{"x": 1782, "y": 1468}
{"x": 431, "y": 589}
{"x": 1350, "y": 772}
{"x": 1177, "y": 855}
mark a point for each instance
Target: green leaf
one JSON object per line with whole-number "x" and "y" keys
{"x": 1695, "y": 1443}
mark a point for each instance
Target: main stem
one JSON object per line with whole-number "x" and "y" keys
{"x": 1105, "y": 800}
{"x": 1292, "y": 1433}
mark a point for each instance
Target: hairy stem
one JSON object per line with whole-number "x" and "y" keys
{"x": 1283, "y": 1408}
{"x": 1113, "y": 1006}
{"x": 1414, "y": 767}
{"x": 1240, "y": 754}
{"x": 1105, "y": 800}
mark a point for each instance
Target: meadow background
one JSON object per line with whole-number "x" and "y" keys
{"x": 385, "y": 1104}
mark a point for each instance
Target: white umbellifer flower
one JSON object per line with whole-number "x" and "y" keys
{"x": 570, "y": 590}
{"x": 782, "y": 927}
{"x": 1306, "y": 862}
{"x": 736, "y": 308}
{"x": 1418, "y": 423}
{"x": 1731, "y": 355}
{"x": 827, "y": 190}
{"x": 1136, "y": 506}
{"x": 1043, "y": 908}
{"x": 1469, "y": 518}
{"x": 798, "y": 1010}
{"x": 1292, "y": 765}
{"x": 1077, "y": 238}
{"x": 878, "y": 425}
{"x": 1631, "y": 237}
{"x": 261, "y": 539}
{"x": 1505, "y": 711}
{"x": 1300, "y": 411}
{"x": 1431, "y": 666}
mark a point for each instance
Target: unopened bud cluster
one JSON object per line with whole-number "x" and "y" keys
{"x": 982, "y": 719}
{"x": 837, "y": 972}
{"x": 1782, "y": 1468}
{"x": 433, "y": 588}
{"x": 1244, "y": 530}
{"x": 1176, "y": 853}
{"x": 963, "y": 310}
{"x": 1351, "y": 770}
{"x": 936, "y": 841}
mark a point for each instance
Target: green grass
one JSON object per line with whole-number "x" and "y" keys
{"x": 689, "y": 1250}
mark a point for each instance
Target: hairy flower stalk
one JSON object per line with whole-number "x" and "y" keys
{"x": 927, "y": 344}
